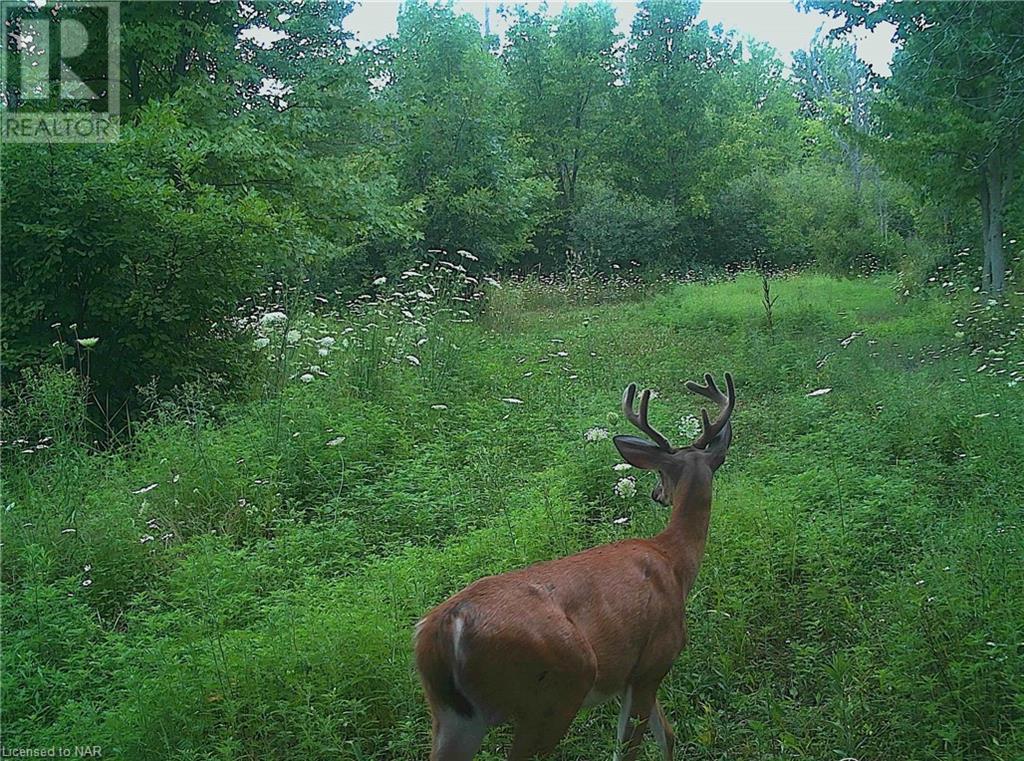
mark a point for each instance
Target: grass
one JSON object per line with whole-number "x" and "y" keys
{"x": 861, "y": 594}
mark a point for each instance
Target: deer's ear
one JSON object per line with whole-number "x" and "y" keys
{"x": 641, "y": 453}
{"x": 719, "y": 445}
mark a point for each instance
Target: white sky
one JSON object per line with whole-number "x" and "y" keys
{"x": 776, "y": 22}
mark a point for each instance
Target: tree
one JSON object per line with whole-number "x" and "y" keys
{"x": 563, "y": 71}
{"x": 954, "y": 106}
{"x": 456, "y": 139}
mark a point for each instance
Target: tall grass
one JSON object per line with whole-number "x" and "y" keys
{"x": 241, "y": 581}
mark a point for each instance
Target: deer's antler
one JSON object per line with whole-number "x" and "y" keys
{"x": 726, "y": 402}
{"x": 640, "y": 420}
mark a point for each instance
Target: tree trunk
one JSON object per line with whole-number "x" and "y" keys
{"x": 993, "y": 200}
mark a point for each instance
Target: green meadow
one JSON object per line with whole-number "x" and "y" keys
{"x": 240, "y": 580}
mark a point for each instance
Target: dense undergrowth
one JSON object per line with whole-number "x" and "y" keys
{"x": 242, "y": 581}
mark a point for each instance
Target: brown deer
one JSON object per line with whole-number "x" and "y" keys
{"x": 534, "y": 646}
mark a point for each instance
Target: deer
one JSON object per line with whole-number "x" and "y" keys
{"x": 534, "y": 646}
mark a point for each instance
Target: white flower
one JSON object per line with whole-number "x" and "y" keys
{"x": 622, "y": 466}
{"x": 413, "y": 359}
{"x": 292, "y": 336}
{"x": 306, "y": 378}
{"x": 438, "y": 406}
{"x": 87, "y": 583}
{"x": 596, "y": 434}
{"x": 272, "y": 318}
{"x": 819, "y": 392}
{"x": 689, "y": 427}
{"x": 323, "y": 352}
{"x": 380, "y": 281}
{"x": 326, "y": 341}
{"x": 626, "y": 487}
{"x": 88, "y": 343}
{"x": 145, "y": 538}
{"x": 335, "y": 442}
{"x": 850, "y": 338}
{"x": 620, "y": 521}
{"x": 467, "y": 255}
{"x": 261, "y": 343}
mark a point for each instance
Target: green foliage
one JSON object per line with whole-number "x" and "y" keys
{"x": 456, "y": 139}
{"x": 962, "y": 141}
{"x": 244, "y": 579}
{"x": 261, "y": 146}
{"x": 609, "y": 227}
{"x": 131, "y": 244}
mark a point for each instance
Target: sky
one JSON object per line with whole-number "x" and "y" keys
{"x": 776, "y": 22}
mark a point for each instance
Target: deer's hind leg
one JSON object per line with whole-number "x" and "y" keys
{"x": 456, "y": 737}
{"x": 539, "y": 730}
{"x": 639, "y": 701}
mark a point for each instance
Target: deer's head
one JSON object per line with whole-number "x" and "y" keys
{"x": 692, "y": 464}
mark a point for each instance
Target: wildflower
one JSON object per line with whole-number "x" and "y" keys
{"x": 326, "y": 342}
{"x": 87, "y": 583}
{"x": 272, "y": 318}
{"x": 380, "y": 281}
{"x": 334, "y": 442}
{"x": 850, "y": 338}
{"x": 620, "y": 521}
{"x": 306, "y": 377}
{"x": 261, "y": 343}
{"x": 467, "y": 255}
{"x": 689, "y": 427}
{"x": 596, "y": 434}
{"x": 88, "y": 343}
{"x": 622, "y": 466}
{"x": 145, "y": 538}
{"x": 323, "y": 352}
{"x": 413, "y": 359}
{"x": 292, "y": 336}
{"x": 626, "y": 487}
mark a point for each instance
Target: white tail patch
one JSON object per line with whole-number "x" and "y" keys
{"x": 458, "y": 625}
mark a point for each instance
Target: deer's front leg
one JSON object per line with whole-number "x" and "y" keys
{"x": 662, "y": 731}
{"x": 637, "y": 704}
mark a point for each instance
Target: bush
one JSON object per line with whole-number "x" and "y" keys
{"x": 129, "y": 244}
{"x": 612, "y": 227}
{"x": 808, "y": 215}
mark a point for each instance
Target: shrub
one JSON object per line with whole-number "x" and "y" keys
{"x": 612, "y": 227}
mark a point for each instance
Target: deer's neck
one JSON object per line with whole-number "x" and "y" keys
{"x": 686, "y": 534}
